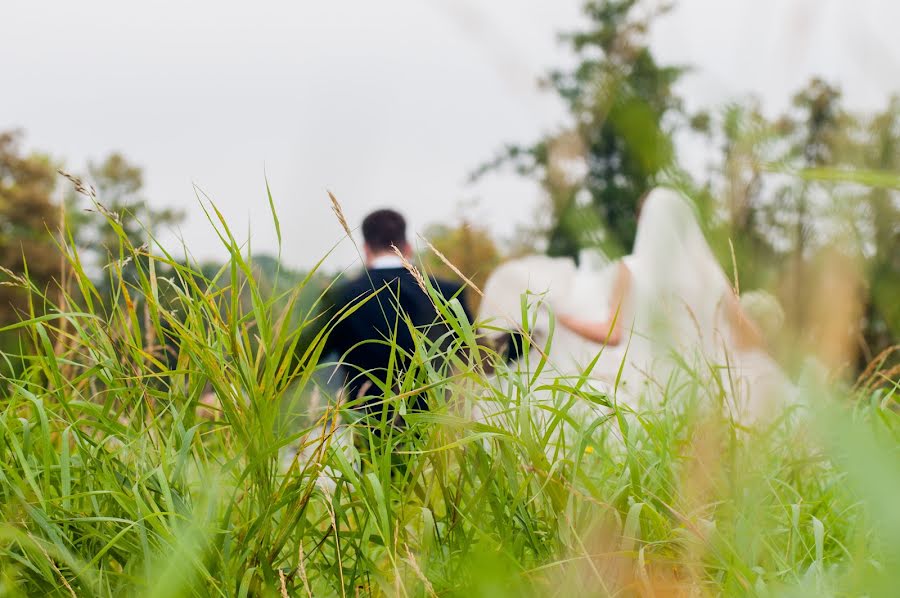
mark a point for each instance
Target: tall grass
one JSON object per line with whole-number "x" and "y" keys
{"x": 120, "y": 476}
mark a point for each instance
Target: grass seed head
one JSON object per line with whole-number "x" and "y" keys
{"x": 339, "y": 213}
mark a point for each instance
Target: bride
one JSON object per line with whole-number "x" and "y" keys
{"x": 668, "y": 311}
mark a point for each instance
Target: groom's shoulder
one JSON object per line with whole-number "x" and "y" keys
{"x": 366, "y": 281}
{"x": 352, "y": 287}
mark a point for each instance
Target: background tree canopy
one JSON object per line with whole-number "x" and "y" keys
{"x": 624, "y": 110}
{"x": 775, "y": 199}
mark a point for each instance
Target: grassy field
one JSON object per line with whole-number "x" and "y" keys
{"x": 120, "y": 477}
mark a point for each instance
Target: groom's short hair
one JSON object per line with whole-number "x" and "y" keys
{"x": 383, "y": 228}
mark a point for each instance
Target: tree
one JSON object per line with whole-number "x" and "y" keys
{"x": 733, "y": 197}
{"x": 118, "y": 184}
{"x": 814, "y": 131}
{"x": 882, "y": 153}
{"x": 623, "y": 109}
{"x": 29, "y": 219}
{"x": 841, "y": 223}
{"x": 803, "y": 229}
{"x": 871, "y": 143}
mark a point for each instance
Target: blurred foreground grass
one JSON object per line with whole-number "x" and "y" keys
{"x": 120, "y": 476}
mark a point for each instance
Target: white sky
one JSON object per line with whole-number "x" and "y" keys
{"x": 388, "y": 103}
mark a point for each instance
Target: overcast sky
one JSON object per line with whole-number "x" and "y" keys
{"x": 388, "y": 103}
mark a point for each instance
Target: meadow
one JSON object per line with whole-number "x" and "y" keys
{"x": 119, "y": 476}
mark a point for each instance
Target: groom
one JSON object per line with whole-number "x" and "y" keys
{"x": 367, "y": 337}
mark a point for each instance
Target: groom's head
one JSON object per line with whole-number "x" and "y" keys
{"x": 382, "y": 230}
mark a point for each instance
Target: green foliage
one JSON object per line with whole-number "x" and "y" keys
{"x": 119, "y": 183}
{"x": 163, "y": 431}
{"x": 29, "y": 220}
{"x": 623, "y": 108}
{"x": 792, "y": 194}
{"x": 120, "y": 475}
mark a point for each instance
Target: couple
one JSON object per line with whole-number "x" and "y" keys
{"x": 666, "y": 309}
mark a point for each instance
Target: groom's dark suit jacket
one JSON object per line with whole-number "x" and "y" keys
{"x": 362, "y": 340}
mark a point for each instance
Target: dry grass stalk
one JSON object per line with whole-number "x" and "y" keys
{"x": 301, "y": 569}
{"x": 867, "y": 377}
{"x": 19, "y": 281}
{"x": 80, "y": 186}
{"x": 284, "y": 592}
{"x": 886, "y": 378}
{"x": 411, "y": 269}
{"x": 418, "y": 571}
{"x": 737, "y": 280}
{"x": 62, "y": 577}
{"x": 450, "y": 265}
{"x": 339, "y": 213}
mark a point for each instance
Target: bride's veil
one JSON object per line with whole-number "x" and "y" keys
{"x": 678, "y": 285}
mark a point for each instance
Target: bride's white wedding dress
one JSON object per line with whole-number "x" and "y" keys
{"x": 674, "y": 318}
